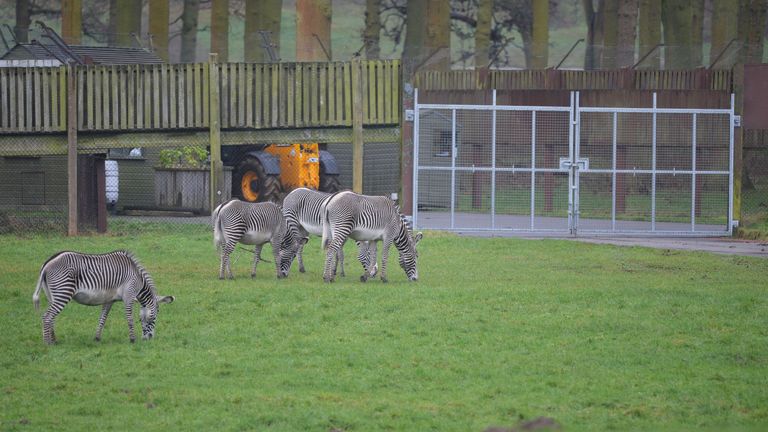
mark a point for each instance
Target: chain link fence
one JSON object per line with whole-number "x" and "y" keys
{"x": 754, "y": 180}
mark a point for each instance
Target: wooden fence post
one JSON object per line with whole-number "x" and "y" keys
{"x": 72, "y": 149}
{"x": 357, "y": 127}
{"x": 214, "y": 124}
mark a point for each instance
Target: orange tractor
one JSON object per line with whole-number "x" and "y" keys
{"x": 267, "y": 172}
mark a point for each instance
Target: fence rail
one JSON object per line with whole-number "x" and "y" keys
{"x": 175, "y": 96}
{"x": 552, "y": 79}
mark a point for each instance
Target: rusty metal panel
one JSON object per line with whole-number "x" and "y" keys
{"x": 755, "y": 114}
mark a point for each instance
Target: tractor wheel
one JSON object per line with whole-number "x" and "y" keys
{"x": 329, "y": 183}
{"x": 251, "y": 183}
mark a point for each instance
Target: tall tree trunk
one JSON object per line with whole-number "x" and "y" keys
{"x": 22, "y": 21}
{"x": 112, "y": 24}
{"x": 372, "y": 28}
{"x": 752, "y": 14}
{"x": 128, "y": 25}
{"x": 540, "y": 42}
{"x": 627, "y": 33}
{"x": 313, "y": 30}
{"x": 158, "y": 26}
{"x": 649, "y": 33}
{"x": 261, "y": 15}
{"x": 697, "y": 33}
{"x": 724, "y": 20}
{"x": 610, "y": 15}
{"x": 427, "y": 37}
{"x": 71, "y": 21}
{"x": 594, "y": 17}
{"x": 189, "y": 30}
{"x": 483, "y": 33}
{"x": 676, "y": 18}
{"x": 220, "y": 29}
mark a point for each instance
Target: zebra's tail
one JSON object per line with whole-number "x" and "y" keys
{"x": 36, "y": 296}
{"x": 217, "y": 229}
{"x": 326, "y": 226}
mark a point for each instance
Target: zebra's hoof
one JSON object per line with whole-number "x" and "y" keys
{"x": 97, "y": 339}
{"x": 384, "y": 280}
{"x": 133, "y": 340}
{"x": 364, "y": 278}
{"x": 302, "y": 270}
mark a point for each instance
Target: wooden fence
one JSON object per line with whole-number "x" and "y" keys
{"x": 176, "y": 96}
{"x": 551, "y": 79}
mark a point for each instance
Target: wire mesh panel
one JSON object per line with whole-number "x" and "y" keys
{"x": 492, "y": 167}
{"x": 654, "y": 170}
{"x": 620, "y": 170}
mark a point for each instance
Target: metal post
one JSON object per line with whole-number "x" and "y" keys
{"x": 575, "y": 166}
{"x": 214, "y": 122}
{"x": 571, "y": 124}
{"x": 72, "y": 149}
{"x": 533, "y": 167}
{"x": 415, "y": 178}
{"x": 693, "y": 176}
{"x": 613, "y": 175}
{"x": 653, "y": 168}
{"x": 493, "y": 161}
{"x": 453, "y": 167}
{"x": 730, "y": 164}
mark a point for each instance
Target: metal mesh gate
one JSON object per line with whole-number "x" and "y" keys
{"x": 573, "y": 169}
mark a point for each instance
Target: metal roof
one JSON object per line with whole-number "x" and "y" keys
{"x": 88, "y": 54}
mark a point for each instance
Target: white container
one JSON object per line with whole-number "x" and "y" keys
{"x": 111, "y": 175}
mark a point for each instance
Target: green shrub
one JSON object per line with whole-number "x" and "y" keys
{"x": 184, "y": 157}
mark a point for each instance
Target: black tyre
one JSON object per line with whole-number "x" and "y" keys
{"x": 250, "y": 182}
{"x": 329, "y": 183}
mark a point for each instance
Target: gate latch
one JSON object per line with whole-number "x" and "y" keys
{"x": 566, "y": 163}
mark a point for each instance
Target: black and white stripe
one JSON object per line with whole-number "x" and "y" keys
{"x": 302, "y": 212}
{"x": 254, "y": 224}
{"x": 97, "y": 280}
{"x": 367, "y": 218}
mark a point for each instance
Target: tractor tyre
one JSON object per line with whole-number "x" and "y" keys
{"x": 251, "y": 183}
{"x": 329, "y": 183}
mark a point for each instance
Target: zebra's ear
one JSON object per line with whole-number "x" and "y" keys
{"x": 417, "y": 237}
{"x": 165, "y": 299}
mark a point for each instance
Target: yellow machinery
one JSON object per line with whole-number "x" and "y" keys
{"x": 267, "y": 172}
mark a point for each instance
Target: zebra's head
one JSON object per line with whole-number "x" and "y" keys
{"x": 288, "y": 251}
{"x": 148, "y": 316}
{"x": 409, "y": 256}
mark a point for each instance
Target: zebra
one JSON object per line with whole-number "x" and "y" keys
{"x": 94, "y": 280}
{"x": 367, "y": 218}
{"x": 254, "y": 224}
{"x": 302, "y": 212}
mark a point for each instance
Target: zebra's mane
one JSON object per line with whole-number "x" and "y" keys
{"x": 149, "y": 282}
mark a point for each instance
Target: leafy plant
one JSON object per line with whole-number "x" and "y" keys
{"x": 184, "y": 157}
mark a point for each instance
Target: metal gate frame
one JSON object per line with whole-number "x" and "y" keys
{"x": 574, "y": 165}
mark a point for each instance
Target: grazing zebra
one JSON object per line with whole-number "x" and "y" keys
{"x": 98, "y": 280}
{"x": 254, "y": 224}
{"x": 302, "y": 211}
{"x": 367, "y": 218}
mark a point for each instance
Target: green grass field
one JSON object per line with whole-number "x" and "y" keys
{"x": 495, "y": 331}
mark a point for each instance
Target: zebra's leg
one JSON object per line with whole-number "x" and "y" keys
{"x": 102, "y": 319}
{"x": 49, "y": 319}
{"x": 129, "y": 317}
{"x": 276, "y": 257}
{"x": 340, "y": 260}
{"x": 367, "y": 256}
{"x": 385, "y": 246}
{"x": 256, "y": 259}
{"x": 329, "y": 273}
{"x": 226, "y": 250}
{"x": 300, "y": 258}
{"x": 373, "y": 265}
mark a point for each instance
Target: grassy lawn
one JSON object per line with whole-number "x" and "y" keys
{"x": 495, "y": 331}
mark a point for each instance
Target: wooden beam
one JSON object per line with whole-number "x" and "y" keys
{"x": 217, "y": 168}
{"x": 357, "y": 127}
{"x": 72, "y": 149}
